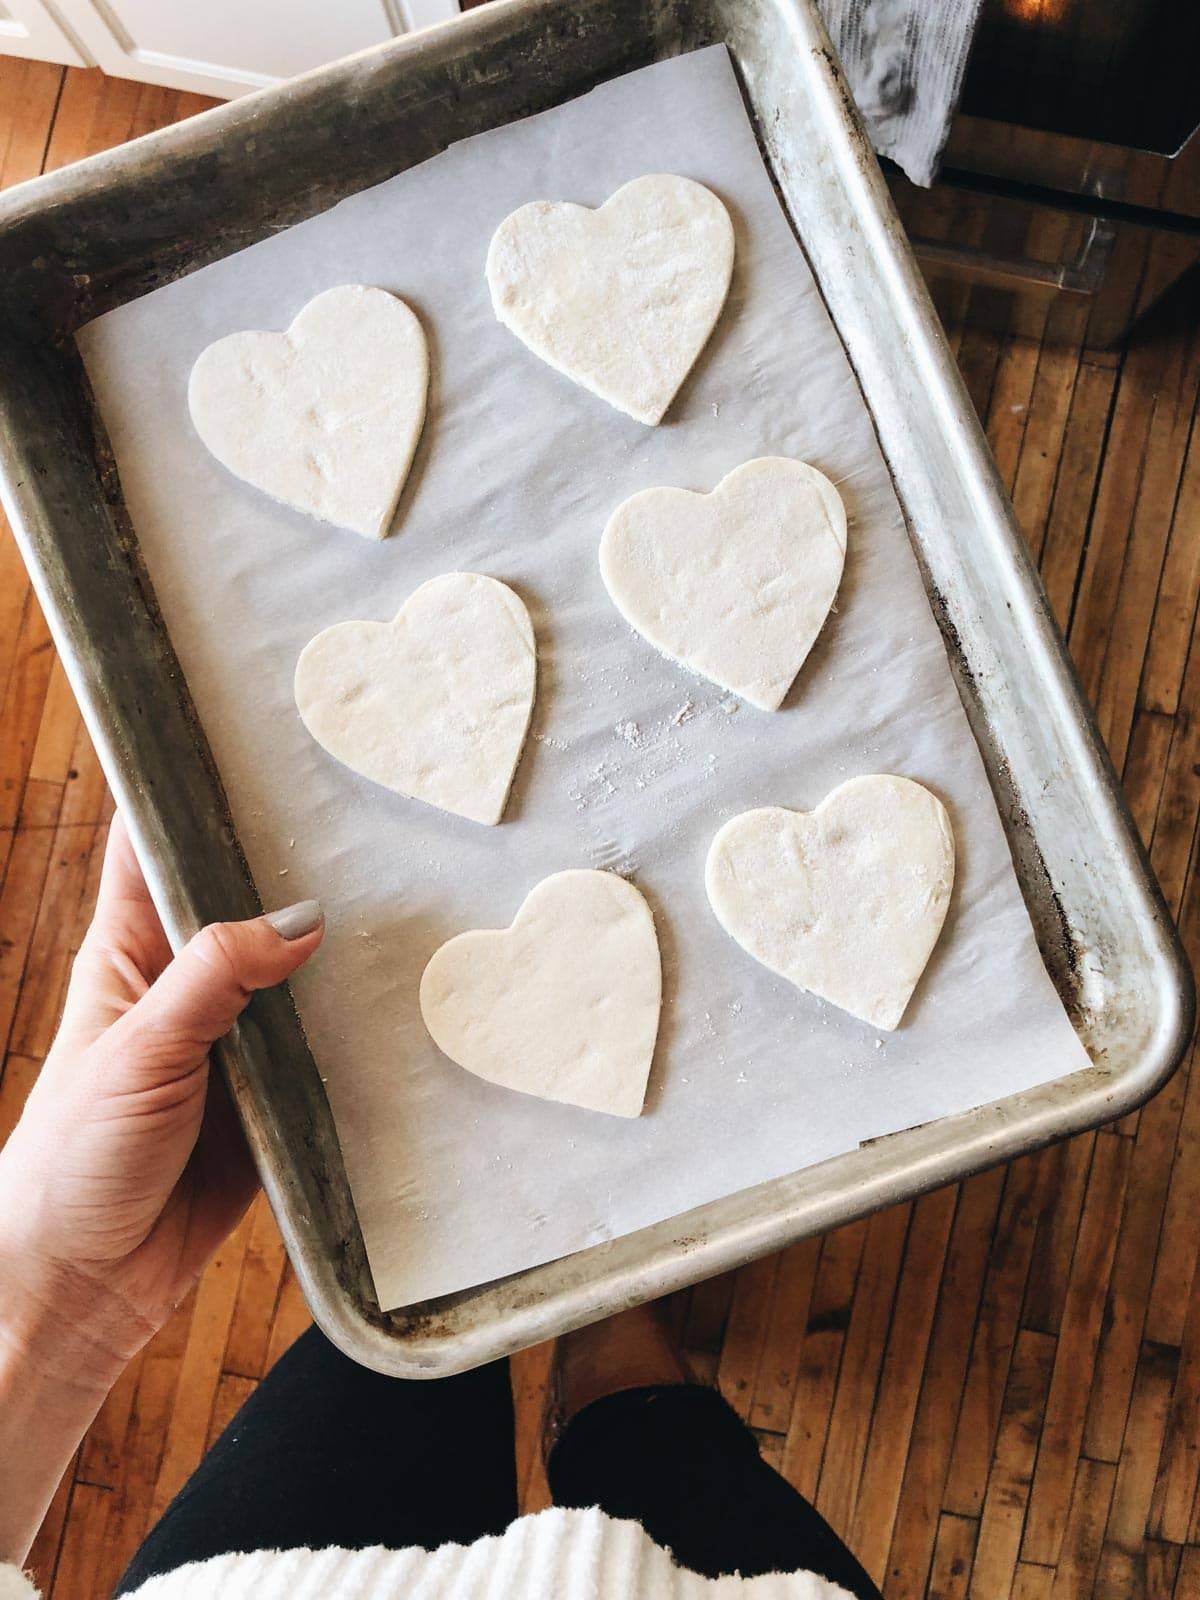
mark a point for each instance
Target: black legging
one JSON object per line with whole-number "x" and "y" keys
{"x": 327, "y": 1453}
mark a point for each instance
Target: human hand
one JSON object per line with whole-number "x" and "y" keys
{"x": 127, "y": 1167}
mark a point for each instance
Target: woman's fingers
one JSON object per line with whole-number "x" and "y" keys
{"x": 201, "y": 994}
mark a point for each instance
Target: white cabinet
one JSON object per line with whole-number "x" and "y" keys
{"x": 217, "y": 47}
{"x": 30, "y": 28}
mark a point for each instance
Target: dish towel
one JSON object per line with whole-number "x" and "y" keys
{"x": 905, "y": 60}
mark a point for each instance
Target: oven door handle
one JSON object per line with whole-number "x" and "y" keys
{"x": 1079, "y": 280}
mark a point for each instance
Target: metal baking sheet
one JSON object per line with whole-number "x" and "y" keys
{"x": 633, "y": 764}
{"x": 1099, "y": 921}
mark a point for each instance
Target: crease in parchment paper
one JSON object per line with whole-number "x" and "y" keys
{"x": 632, "y": 764}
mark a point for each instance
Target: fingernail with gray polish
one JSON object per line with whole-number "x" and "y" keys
{"x": 293, "y": 922}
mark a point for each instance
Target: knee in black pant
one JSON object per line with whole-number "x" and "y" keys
{"x": 681, "y": 1462}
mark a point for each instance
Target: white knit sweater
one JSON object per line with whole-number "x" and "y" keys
{"x": 556, "y": 1555}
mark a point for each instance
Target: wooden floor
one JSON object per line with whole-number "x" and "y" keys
{"x": 992, "y": 1392}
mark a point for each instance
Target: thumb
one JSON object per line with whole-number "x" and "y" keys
{"x": 202, "y": 992}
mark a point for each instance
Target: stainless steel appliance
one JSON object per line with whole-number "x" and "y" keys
{"x": 1070, "y": 189}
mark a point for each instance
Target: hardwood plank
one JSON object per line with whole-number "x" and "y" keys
{"x": 1168, "y": 256}
{"x": 925, "y": 1472}
{"x": 159, "y": 107}
{"x": 69, "y": 136}
{"x": 1162, "y": 466}
{"x": 1146, "y": 769}
{"x": 42, "y": 1560}
{"x": 1187, "y": 1582}
{"x": 1158, "y": 1569}
{"x": 190, "y": 105}
{"x": 86, "y": 908}
{"x": 1063, "y": 1173}
{"x": 1011, "y": 1468}
{"x": 1008, "y": 408}
{"x": 531, "y": 1374}
{"x": 1140, "y": 1449}
{"x": 1188, "y": 920}
{"x": 100, "y": 1454}
{"x": 41, "y": 806}
{"x": 953, "y": 1552}
{"x": 708, "y": 1313}
{"x": 1112, "y": 518}
{"x": 14, "y": 597}
{"x": 891, "y": 1425}
{"x": 83, "y": 1543}
{"x": 200, "y": 1370}
{"x": 291, "y": 1317}
{"x": 84, "y": 791}
{"x": 858, "y": 1374}
{"x": 21, "y": 711}
{"x": 50, "y": 948}
{"x": 741, "y": 1348}
{"x": 1127, "y": 264}
{"x": 1031, "y": 1582}
{"x": 1133, "y": 1266}
{"x": 1122, "y": 1576}
{"x": 992, "y": 1347}
{"x": 95, "y": 113}
{"x": 934, "y": 217}
{"x": 1178, "y": 594}
{"x": 1066, "y": 1406}
{"x": 232, "y": 1393}
{"x": 57, "y": 730}
{"x": 1178, "y": 1478}
{"x": 29, "y": 93}
{"x": 978, "y": 362}
{"x": 677, "y": 1308}
{"x": 20, "y": 1075}
{"x": 155, "y": 106}
{"x": 770, "y": 1448}
{"x": 257, "y": 1295}
{"x": 1085, "y": 435}
{"x": 783, "y": 1336}
{"x": 1075, "y": 1573}
{"x": 19, "y": 902}
{"x": 821, "y": 1356}
{"x": 1175, "y": 1259}
{"x": 1179, "y": 804}
{"x": 149, "y": 1421}
{"x": 1045, "y": 429}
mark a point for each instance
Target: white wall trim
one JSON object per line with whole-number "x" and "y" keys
{"x": 93, "y": 33}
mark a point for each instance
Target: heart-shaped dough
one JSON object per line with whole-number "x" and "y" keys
{"x": 846, "y": 901}
{"x": 621, "y": 299}
{"x": 326, "y": 416}
{"x": 435, "y": 704}
{"x": 564, "y": 1004}
{"x": 734, "y": 584}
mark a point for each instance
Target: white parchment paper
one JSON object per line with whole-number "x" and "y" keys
{"x": 632, "y": 765}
